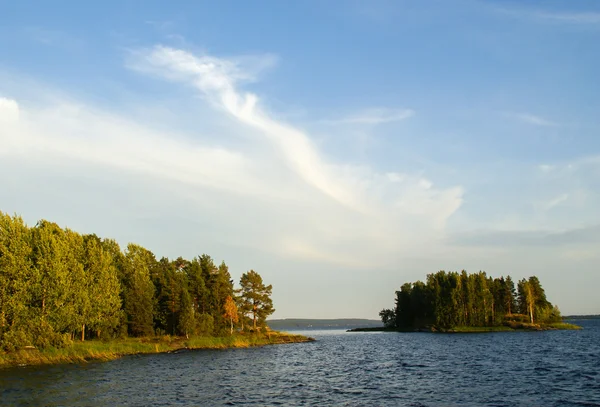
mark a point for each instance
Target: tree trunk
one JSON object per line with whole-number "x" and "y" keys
{"x": 82, "y": 332}
{"x": 254, "y": 310}
{"x": 530, "y": 300}
{"x": 531, "y": 311}
{"x": 231, "y": 320}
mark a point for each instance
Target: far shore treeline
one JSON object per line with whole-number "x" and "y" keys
{"x": 448, "y": 300}
{"x": 57, "y": 285}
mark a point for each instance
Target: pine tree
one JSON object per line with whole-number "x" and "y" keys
{"x": 256, "y": 296}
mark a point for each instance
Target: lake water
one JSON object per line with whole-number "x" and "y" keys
{"x": 556, "y": 368}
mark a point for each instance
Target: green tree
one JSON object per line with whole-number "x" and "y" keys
{"x": 197, "y": 286}
{"x": 54, "y": 295}
{"x": 527, "y": 298}
{"x": 257, "y": 296}
{"x": 388, "y": 317}
{"x": 15, "y": 282}
{"x": 404, "y": 313}
{"x": 243, "y": 308}
{"x": 103, "y": 287}
{"x": 510, "y": 295}
{"x": 186, "y": 321}
{"x": 222, "y": 289}
{"x": 139, "y": 290}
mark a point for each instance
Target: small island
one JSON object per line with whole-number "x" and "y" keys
{"x": 463, "y": 302}
{"x": 68, "y": 297}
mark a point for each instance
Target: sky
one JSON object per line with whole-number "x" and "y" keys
{"x": 338, "y": 148}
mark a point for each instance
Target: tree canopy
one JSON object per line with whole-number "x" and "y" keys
{"x": 451, "y": 299}
{"x": 57, "y": 285}
{"x": 256, "y": 297}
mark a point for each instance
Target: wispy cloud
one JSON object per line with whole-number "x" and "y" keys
{"x": 218, "y": 79}
{"x": 548, "y": 238}
{"x": 555, "y": 201}
{"x": 534, "y": 120}
{"x": 573, "y": 18}
{"x": 375, "y": 116}
{"x": 549, "y": 16}
{"x": 9, "y": 111}
{"x": 316, "y": 207}
{"x": 160, "y": 24}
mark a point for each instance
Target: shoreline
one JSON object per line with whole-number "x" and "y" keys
{"x": 96, "y": 350}
{"x": 479, "y": 329}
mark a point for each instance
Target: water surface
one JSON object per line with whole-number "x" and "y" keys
{"x": 555, "y": 368}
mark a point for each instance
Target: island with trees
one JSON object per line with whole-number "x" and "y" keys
{"x": 68, "y": 297}
{"x": 463, "y": 302}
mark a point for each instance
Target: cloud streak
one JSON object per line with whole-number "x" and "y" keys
{"x": 534, "y": 120}
{"x": 375, "y": 116}
{"x": 218, "y": 80}
{"x": 585, "y": 18}
{"x": 572, "y": 18}
{"x": 303, "y": 204}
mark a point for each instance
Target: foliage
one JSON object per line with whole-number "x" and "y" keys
{"x": 450, "y": 299}
{"x": 256, "y": 297}
{"x": 231, "y": 312}
{"x": 388, "y": 317}
{"x": 58, "y": 286}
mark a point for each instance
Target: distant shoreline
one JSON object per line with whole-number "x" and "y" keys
{"x": 95, "y": 350}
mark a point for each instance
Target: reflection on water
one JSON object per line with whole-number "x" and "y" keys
{"x": 558, "y": 368}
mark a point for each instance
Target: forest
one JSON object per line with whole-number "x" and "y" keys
{"x": 450, "y": 299}
{"x": 57, "y": 286}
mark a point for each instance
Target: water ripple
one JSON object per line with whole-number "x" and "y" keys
{"x": 559, "y": 368}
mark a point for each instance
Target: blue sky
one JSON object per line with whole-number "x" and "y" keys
{"x": 338, "y": 148}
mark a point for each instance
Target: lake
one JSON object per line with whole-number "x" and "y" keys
{"x": 554, "y": 368}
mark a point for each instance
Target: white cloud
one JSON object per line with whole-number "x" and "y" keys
{"x": 535, "y": 120}
{"x": 375, "y": 116}
{"x": 218, "y": 78}
{"x": 296, "y": 201}
{"x": 555, "y": 201}
{"x": 548, "y": 16}
{"x": 573, "y": 18}
{"x": 9, "y": 110}
{"x": 396, "y": 177}
{"x": 260, "y": 190}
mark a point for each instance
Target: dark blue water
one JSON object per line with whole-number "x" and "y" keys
{"x": 557, "y": 368}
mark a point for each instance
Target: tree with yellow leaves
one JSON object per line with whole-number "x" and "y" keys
{"x": 231, "y": 312}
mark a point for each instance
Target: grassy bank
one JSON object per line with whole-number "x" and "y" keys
{"x": 108, "y": 350}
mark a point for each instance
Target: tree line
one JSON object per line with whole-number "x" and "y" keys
{"x": 452, "y": 299}
{"x": 57, "y": 285}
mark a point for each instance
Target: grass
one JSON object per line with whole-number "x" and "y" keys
{"x": 81, "y": 352}
{"x": 563, "y": 325}
{"x": 516, "y": 326}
